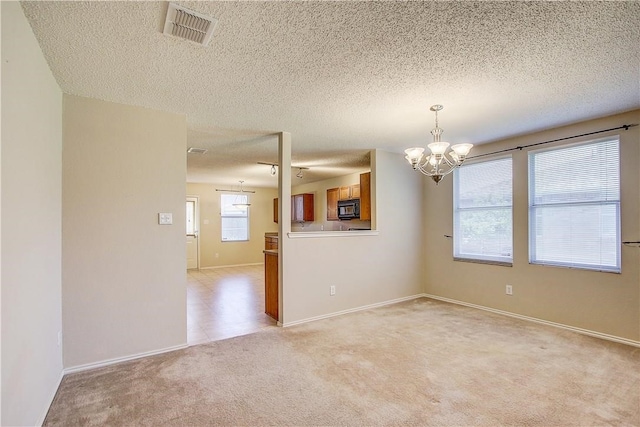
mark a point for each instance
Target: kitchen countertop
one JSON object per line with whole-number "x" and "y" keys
{"x": 329, "y": 234}
{"x": 271, "y": 235}
{"x": 270, "y": 252}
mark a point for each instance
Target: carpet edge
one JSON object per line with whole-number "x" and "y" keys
{"x": 351, "y": 310}
{"x": 108, "y": 362}
{"x": 588, "y": 332}
{"x": 50, "y": 400}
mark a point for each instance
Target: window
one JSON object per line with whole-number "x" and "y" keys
{"x": 574, "y": 206}
{"x": 482, "y": 212}
{"x": 235, "y": 219}
{"x": 191, "y": 217}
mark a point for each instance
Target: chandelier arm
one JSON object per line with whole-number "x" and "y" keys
{"x": 449, "y": 171}
{"x": 423, "y": 163}
{"x": 443, "y": 173}
{"x": 424, "y": 171}
{"x": 449, "y": 162}
{"x": 454, "y": 167}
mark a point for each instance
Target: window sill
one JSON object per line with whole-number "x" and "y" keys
{"x": 484, "y": 261}
{"x": 576, "y": 267}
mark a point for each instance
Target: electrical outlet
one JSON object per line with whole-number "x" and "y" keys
{"x": 509, "y": 290}
{"x": 332, "y": 290}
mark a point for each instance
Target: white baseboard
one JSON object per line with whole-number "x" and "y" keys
{"x": 540, "y": 321}
{"x": 233, "y": 265}
{"x": 351, "y": 310}
{"x": 50, "y": 400}
{"x": 108, "y": 362}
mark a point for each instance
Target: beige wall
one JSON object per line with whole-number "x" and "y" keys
{"x": 123, "y": 275}
{"x": 232, "y": 253}
{"x": 602, "y": 302}
{"x": 365, "y": 269}
{"x": 31, "y": 224}
{"x": 319, "y": 190}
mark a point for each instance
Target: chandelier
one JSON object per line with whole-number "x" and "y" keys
{"x": 242, "y": 201}
{"x": 437, "y": 164}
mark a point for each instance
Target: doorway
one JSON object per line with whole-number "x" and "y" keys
{"x": 193, "y": 244}
{"x": 225, "y": 302}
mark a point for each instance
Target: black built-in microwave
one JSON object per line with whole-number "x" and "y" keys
{"x": 349, "y": 209}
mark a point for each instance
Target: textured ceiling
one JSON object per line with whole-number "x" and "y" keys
{"x": 346, "y": 77}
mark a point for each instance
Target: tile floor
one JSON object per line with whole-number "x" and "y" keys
{"x": 225, "y": 302}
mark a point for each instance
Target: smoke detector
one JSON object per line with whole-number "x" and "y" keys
{"x": 188, "y": 24}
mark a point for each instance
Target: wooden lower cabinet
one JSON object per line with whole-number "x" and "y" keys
{"x": 271, "y": 283}
{"x": 271, "y": 242}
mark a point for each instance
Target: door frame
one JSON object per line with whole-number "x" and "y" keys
{"x": 196, "y": 200}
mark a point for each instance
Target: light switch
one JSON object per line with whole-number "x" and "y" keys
{"x": 165, "y": 218}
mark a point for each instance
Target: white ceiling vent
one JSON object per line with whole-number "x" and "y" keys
{"x": 187, "y": 24}
{"x": 194, "y": 150}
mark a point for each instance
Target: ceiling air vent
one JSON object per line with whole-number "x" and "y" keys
{"x": 187, "y": 24}
{"x": 194, "y": 150}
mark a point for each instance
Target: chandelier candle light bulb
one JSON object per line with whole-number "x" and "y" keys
{"x": 436, "y": 165}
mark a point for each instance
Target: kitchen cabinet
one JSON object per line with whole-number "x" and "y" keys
{"x": 349, "y": 192}
{"x": 332, "y": 204}
{"x": 271, "y": 283}
{"x": 275, "y": 210}
{"x": 365, "y": 196}
{"x": 360, "y": 191}
{"x": 271, "y": 241}
{"x": 344, "y": 193}
{"x": 355, "y": 191}
{"x": 302, "y": 208}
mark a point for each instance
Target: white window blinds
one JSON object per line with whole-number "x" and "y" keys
{"x": 482, "y": 198}
{"x": 235, "y": 219}
{"x": 574, "y": 206}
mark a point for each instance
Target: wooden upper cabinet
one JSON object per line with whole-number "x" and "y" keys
{"x": 302, "y": 208}
{"x": 332, "y": 204}
{"x": 365, "y": 196}
{"x": 355, "y": 191}
{"x": 345, "y": 193}
{"x": 349, "y": 192}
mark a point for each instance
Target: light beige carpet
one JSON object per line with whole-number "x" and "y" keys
{"x": 421, "y": 362}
